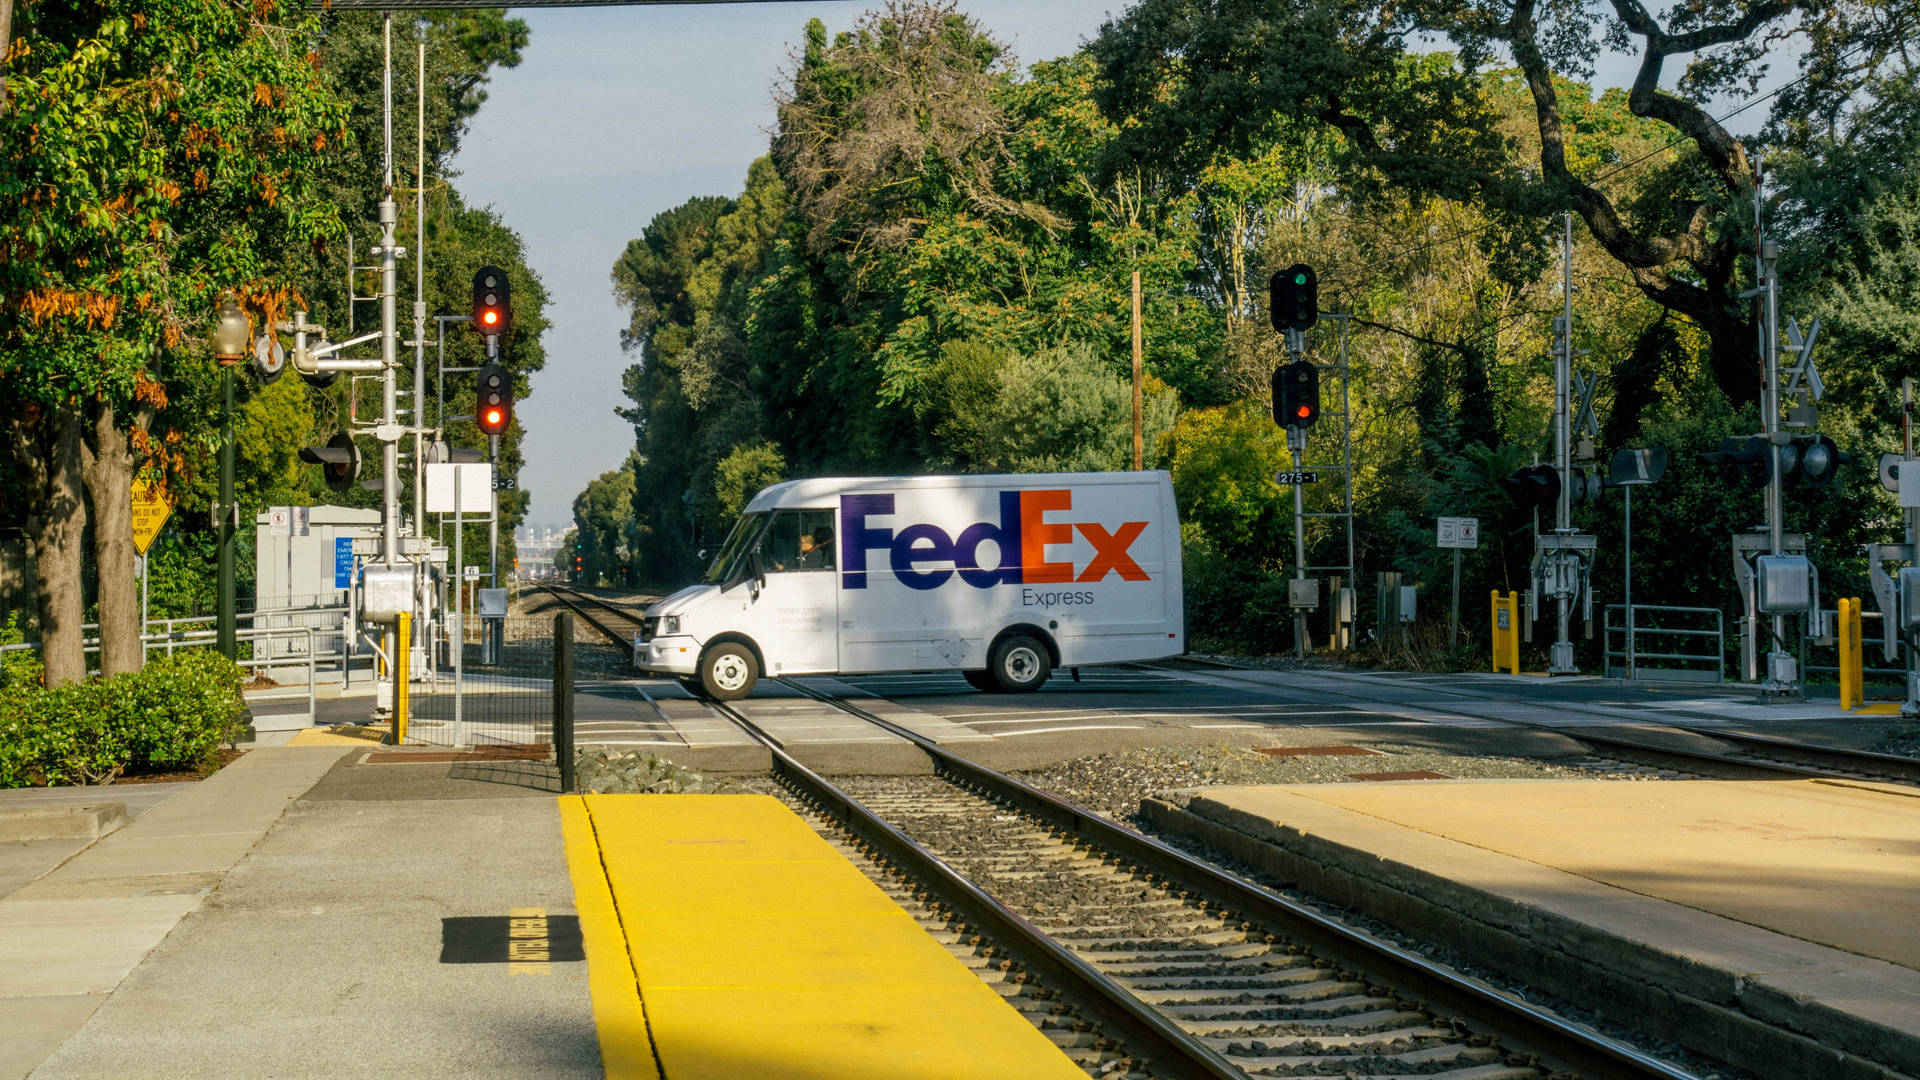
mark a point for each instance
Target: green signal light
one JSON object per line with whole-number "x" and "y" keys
{"x": 1299, "y": 279}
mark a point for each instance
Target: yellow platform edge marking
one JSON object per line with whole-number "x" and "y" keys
{"x": 619, "y": 1016}
{"x": 792, "y": 984}
{"x": 1877, "y": 710}
{"x": 340, "y": 735}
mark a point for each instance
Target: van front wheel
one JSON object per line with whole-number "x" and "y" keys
{"x": 1020, "y": 664}
{"x": 728, "y": 671}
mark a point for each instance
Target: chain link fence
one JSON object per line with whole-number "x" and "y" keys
{"x": 506, "y": 684}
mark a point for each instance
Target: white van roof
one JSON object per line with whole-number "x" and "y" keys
{"x": 822, "y": 491}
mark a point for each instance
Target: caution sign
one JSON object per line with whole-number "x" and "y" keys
{"x": 150, "y": 511}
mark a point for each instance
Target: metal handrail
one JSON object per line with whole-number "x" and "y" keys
{"x": 196, "y": 637}
{"x": 1631, "y": 630}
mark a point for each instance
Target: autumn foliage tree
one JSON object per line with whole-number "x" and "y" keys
{"x": 158, "y": 153}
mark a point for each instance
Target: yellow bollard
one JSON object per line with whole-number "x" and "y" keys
{"x": 1506, "y": 632}
{"x": 1852, "y": 660}
{"x": 400, "y": 651}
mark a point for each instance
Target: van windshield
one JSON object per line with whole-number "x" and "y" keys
{"x": 740, "y": 541}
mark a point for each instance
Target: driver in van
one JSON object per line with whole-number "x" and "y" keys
{"x": 816, "y": 553}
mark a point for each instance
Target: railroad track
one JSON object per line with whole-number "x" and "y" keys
{"x": 1148, "y": 962}
{"x": 1766, "y": 753}
{"x": 618, "y": 625}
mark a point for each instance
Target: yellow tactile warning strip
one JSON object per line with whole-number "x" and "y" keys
{"x": 1878, "y": 710}
{"x": 761, "y": 952}
{"x": 339, "y": 735}
{"x": 626, "y": 1050}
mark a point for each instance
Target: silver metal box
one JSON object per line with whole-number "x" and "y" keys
{"x": 1409, "y": 600}
{"x": 1304, "y": 593}
{"x": 493, "y": 603}
{"x": 1560, "y": 575}
{"x": 385, "y": 592}
{"x": 1783, "y": 583}
{"x": 1909, "y": 583}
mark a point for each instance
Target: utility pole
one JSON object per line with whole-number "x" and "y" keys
{"x": 420, "y": 296}
{"x": 1910, "y": 709}
{"x": 1297, "y": 443}
{"x": 1561, "y": 659}
{"x": 1138, "y": 444}
{"x": 225, "y": 617}
{"x": 1562, "y": 558}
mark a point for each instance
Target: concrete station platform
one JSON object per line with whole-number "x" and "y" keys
{"x": 1773, "y": 925}
{"x": 726, "y": 939}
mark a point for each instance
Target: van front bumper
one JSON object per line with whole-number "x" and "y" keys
{"x": 676, "y": 654}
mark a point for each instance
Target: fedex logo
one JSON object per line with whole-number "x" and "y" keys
{"x": 1022, "y": 536}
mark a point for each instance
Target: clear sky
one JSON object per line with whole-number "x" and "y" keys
{"x": 616, "y": 114}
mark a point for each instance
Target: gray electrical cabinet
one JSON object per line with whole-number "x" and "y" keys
{"x": 1783, "y": 583}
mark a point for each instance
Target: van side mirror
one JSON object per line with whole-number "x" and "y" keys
{"x": 757, "y": 569}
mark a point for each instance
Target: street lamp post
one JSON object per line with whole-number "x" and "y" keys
{"x": 229, "y": 345}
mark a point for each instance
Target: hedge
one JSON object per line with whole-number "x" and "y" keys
{"x": 172, "y": 714}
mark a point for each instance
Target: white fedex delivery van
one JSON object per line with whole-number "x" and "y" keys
{"x": 1002, "y": 578}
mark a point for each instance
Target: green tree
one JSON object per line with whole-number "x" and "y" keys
{"x": 1194, "y": 79}
{"x": 604, "y": 527}
{"x": 155, "y": 158}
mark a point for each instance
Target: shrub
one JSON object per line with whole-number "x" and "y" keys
{"x": 174, "y": 713}
{"x": 183, "y": 707}
{"x": 18, "y": 667}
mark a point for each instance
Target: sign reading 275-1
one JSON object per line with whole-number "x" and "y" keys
{"x": 1022, "y": 535}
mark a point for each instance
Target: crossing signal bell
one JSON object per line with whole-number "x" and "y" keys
{"x": 492, "y": 302}
{"x": 1296, "y": 394}
{"x": 1294, "y": 298}
{"x": 493, "y": 399}
{"x": 339, "y": 460}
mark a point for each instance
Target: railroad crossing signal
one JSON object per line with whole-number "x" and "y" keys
{"x": 1293, "y": 297}
{"x": 339, "y": 460}
{"x": 1296, "y": 395}
{"x": 492, "y": 302}
{"x": 1746, "y": 462}
{"x": 1536, "y": 486}
{"x": 493, "y": 399}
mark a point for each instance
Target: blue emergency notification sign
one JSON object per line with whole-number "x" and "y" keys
{"x": 343, "y": 562}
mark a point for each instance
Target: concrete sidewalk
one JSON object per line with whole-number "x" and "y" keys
{"x": 357, "y": 939}
{"x": 69, "y": 937}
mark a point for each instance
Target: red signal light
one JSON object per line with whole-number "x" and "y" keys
{"x": 1303, "y": 411}
{"x": 490, "y": 317}
{"x": 493, "y": 417}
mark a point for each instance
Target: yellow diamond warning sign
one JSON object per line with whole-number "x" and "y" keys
{"x": 150, "y": 512}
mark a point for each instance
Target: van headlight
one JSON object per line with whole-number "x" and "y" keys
{"x": 670, "y": 624}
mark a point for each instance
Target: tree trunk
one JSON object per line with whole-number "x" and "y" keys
{"x": 46, "y": 446}
{"x": 109, "y": 479}
{"x": 6, "y": 42}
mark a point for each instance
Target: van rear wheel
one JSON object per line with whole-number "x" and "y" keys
{"x": 728, "y": 671}
{"x": 982, "y": 680}
{"x": 1020, "y": 664}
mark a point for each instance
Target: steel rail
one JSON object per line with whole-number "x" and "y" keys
{"x": 606, "y": 631}
{"x": 1163, "y": 1046}
{"x": 1521, "y": 1026}
{"x": 1818, "y": 762}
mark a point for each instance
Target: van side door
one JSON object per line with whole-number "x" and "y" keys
{"x": 798, "y": 609}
